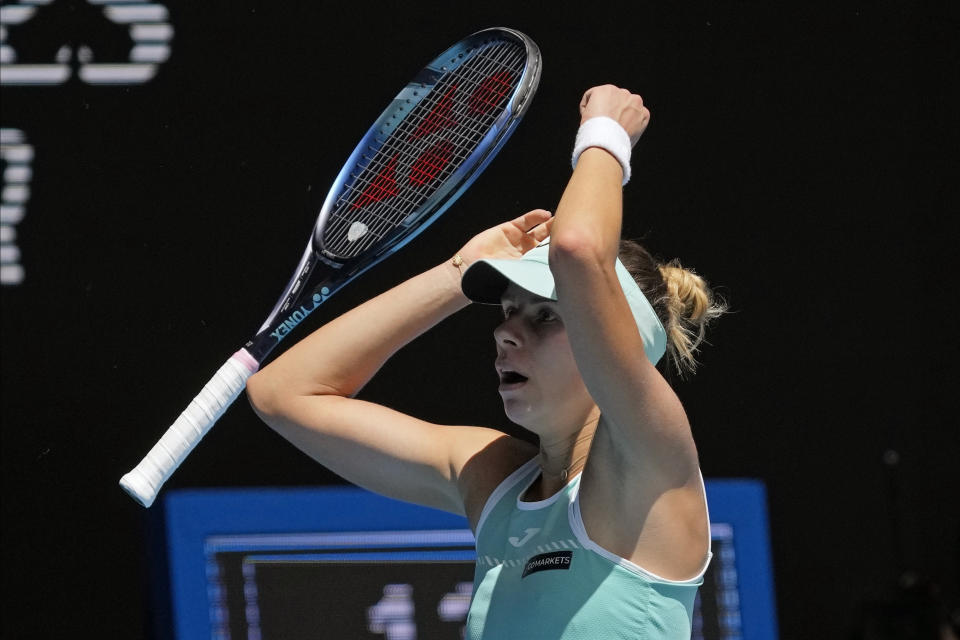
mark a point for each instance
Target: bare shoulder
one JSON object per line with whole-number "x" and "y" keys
{"x": 482, "y": 468}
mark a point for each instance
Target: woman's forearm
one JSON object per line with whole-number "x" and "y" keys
{"x": 590, "y": 212}
{"x": 340, "y": 357}
{"x": 586, "y": 231}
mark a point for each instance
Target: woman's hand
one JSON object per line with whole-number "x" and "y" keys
{"x": 621, "y": 105}
{"x": 509, "y": 240}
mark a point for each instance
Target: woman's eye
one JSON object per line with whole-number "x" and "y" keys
{"x": 545, "y": 315}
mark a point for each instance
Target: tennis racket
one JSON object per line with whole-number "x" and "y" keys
{"x": 438, "y": 134}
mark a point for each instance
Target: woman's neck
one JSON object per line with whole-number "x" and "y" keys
{"x": 561, "y": 458}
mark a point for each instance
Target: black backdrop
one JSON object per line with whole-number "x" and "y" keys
{"x": 798, "y": 157}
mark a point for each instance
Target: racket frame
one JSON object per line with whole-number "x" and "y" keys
{"x": 304, "y": 292}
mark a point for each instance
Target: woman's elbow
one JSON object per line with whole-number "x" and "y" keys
{"x": 263, "y": 395}
{"x": 576, "y": 252}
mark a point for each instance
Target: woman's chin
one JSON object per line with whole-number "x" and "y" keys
{"x": 516, "y": 412}
{"x": 546, "y": 418}
{"x": 522, "y": 414}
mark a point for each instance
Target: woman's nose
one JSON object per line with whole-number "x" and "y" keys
{"x": 507, "y": 334}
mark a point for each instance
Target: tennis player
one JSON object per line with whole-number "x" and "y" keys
{"x": 602, "y": 530}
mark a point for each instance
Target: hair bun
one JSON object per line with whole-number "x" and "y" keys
{"x": 691, "y": 306}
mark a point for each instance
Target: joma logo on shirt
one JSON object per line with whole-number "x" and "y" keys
{"x": 519, "y": 542}
{"x": 548, "y": 561}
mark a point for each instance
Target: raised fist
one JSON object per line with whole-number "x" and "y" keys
{"x": 621, "y": 105}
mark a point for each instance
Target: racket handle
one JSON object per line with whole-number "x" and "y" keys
{"x": 144, "y": 482}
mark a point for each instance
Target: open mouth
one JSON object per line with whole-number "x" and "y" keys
{"x": 511, "y": 377}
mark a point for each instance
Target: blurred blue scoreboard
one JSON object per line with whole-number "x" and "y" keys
{"x": 341, "y": 562}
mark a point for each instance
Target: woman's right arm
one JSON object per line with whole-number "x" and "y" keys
{"x": 306, "y": 394}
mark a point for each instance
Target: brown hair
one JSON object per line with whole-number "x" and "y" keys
{"x": 682, "y": 300}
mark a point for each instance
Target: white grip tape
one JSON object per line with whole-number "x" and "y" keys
{"x": 144, "y": 482}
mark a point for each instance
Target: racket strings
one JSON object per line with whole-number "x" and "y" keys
{"x": 466, "y": 137}
{"x": 425, "y": 148}
{"x": 471, "y": 130}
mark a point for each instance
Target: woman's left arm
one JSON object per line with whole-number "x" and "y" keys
{"x": 645, "y": 416}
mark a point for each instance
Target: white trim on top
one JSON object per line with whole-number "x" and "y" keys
{"x": 546, "y": 502}
{"x": 508, "y": 483}
{"x": 580, "y": 531}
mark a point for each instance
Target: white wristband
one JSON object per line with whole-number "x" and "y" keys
{"x": 607, "y": 134}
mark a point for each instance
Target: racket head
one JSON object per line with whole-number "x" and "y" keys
{"x": 433, "y": 140}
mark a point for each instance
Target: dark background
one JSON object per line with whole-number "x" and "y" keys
{"x": 800, "y": 157}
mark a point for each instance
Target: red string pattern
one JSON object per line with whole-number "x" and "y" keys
{"x": 439, "y": 116}
{"x": 383, "y": 186}
{"x": 490, "y": 92}
{"x": 431, "y": 162}
{"x": 487, "y": 96}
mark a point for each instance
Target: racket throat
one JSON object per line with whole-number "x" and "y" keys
{"x": 303, "y": 295}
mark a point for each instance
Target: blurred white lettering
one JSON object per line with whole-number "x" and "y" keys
{"x": 393, "y": 616}
{"x": 46, "y": 42}
{"x": 16, "y": 156}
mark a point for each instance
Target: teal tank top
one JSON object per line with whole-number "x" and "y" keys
{"x": 540, "y": 577}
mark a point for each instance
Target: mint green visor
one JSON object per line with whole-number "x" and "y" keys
{"x": 486, "y": 280}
